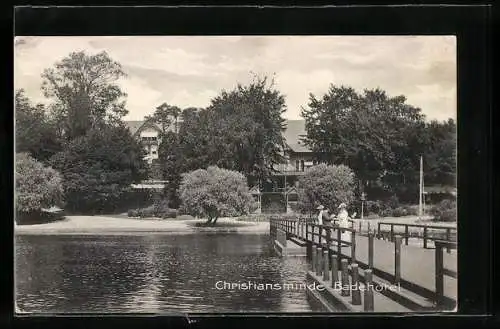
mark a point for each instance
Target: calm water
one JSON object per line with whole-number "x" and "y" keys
{"x": 154, "y": 273}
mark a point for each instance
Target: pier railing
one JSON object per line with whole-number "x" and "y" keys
{"x": 325, "y": 248}
{"x": 425, "y": 232}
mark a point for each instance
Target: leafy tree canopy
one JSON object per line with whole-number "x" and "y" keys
{"x": 85, "y": 91}
{"x": 99, "y": 167}
{"x": 37, "y": 186}
{"x": 215, "y": 192}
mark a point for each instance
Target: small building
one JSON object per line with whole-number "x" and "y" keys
{"x": 149, "y": 134}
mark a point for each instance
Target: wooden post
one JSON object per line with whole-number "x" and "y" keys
{"x": 397, "y": 259}
{"x": 370, "y": 250}
{"x": 392, "y": 233}
{"x": 335, "y": 271}
{"x": 359, "y": 227}
{"x": 439, "y": 273}
{"x": 339, "y": 245}
{"x": 326, "y": 266}
{"x": 448, "y": 249}
{"x": 369, "y": 227}
{"x": 345, "y": 278}
{"x": 319, "y": 259}
{"x": 406, "y": 234}
{"x": 356, "y": 293}
{"x": 313, "y": 259}
{"x": 368, "y": 295}
{"x": 353, "y": 247}
{"x": 425, "y": 237}
{"x": 378, "y": 230}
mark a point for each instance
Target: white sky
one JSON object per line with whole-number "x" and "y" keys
{"x": 189, "y": 71}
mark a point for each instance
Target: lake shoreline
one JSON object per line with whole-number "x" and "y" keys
{"x": 103, "y": 225}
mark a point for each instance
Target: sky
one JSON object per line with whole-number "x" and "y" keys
{"x": 190, "y": 70}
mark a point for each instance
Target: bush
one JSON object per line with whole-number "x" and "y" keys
{"x": 160, "y": 207}
{"x": 185, "y": 217}
{"x": 326, "y": 185}
{"x": 147, "y": 212}
{"x": 392, "y": 203}
{"x": 37, "y": 186}
{"x": 411, "y": 210}
{"x": 387, "y": 212}
{"x": 399, "y": 212}
{"x": 99, "y": 167}
{"x": 372, "y": 206}
{"x": 133, "y": 213}
{"x": 169, "y": 213}
{"x": 445, "y": 211}
{"x": 214, "y": 193}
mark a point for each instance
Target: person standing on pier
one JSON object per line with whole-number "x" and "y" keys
{"x": 343, "y": 220}
{"x": 320, "y": 215}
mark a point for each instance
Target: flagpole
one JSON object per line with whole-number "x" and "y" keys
{"x": 421, "y": 189}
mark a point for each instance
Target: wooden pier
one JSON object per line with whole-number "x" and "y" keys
{"x": 377, "y": 270}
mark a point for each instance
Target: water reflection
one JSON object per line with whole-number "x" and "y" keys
{"x": 154, "y": 273}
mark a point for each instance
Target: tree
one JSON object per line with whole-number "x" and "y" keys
{"x": 241, "y": 130}
{"x": 171, "y": 165}
{"x": 99, "y": 167}
{"x": 37, "y": 186}
{"x": 84, "y": 90}
{"x": 440, "y": 156}
{"x": 215, "y": 192}
{"x": 164, "y": 115}
{"x": 379, "y": 137}
{"x": 35, "y": 131}
{"x": 328, "y": 185}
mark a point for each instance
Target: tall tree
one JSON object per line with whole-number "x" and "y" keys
{"x": 379, "y": 137}
{"x": 241, "y": 130}
{"x": 99, "y": 167}
{"x": 440, "y": 157}
{"x": 36, "y": 132}
{"x": 165, "y": 115}
{"x": 85, "y": 91}
{"x": 171, "y": 165}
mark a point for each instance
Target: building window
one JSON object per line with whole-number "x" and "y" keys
{"x": 297, "y": 165}
{"x": 154, "y": 152}
{"x": 301, "y": 165}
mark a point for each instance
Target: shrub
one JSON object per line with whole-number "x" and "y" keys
{"x": 399, "y": 212}
{"x": 411, "y": 210}
{"x": 99, "y": 167}
{"x": 160, "y": 207}
{"x": 387, "y": 212}
{"x": 392, "y": 203}
{"x": 372, "y": 206}
{"x": 147, "y": 212}
{"x": 215, "y": 192}
{"x": 133, "y": 213}
{"x": 37, "y": 186}
{"x": 185, "y": 217}
{"x": 170, "y": 213}
{"x": 326, "y": 185}
{"x": 445, "y": 211}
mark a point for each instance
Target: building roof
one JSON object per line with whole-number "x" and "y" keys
{"x": 134, "y": 126}
{"x": 295, "y": 129}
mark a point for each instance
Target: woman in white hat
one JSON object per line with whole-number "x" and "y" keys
{"x": 343, "y": 218}
{"x": 320, "y": 215}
